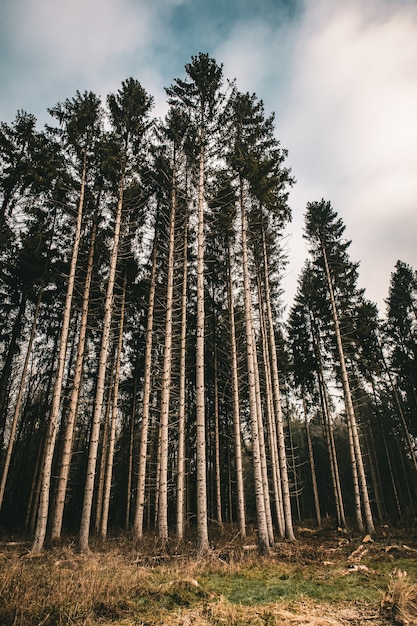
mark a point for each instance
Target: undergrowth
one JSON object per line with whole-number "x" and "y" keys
{"x": 117, "y": 585}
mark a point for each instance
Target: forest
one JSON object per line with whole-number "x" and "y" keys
{"x": 150, "y": 383}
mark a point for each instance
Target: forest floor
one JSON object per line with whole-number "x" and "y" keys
{"x": 325, "y": 578}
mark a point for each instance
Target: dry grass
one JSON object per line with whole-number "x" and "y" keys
{"x": 399, "y": 603}
{"x": 118, "y": 585}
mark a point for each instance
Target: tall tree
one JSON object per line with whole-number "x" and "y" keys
{"x": 200, "y": 97}
{"x": 129, "y": 112}
{"x": 324, "y": 231}
{"x": 81, "y": 120}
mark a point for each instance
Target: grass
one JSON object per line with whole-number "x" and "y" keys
{"x": 112, "y": 586}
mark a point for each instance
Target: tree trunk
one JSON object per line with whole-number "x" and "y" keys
{"x": 312, "y": 465}
{"x": 202, "y": 528}
{"x": 289, "y": 531}
{"x": 101, "y": 375}
{"x": 357, "y": 458}
{"x": 19, "y": 399}
{"x": 166, "y": 377}
{"x": 56, "y": 523}
{"x": 263, "y": 537}
{"x": 241, "y": 518}
{"x": 182, "y": 395}
{"x": 143, "y": 446}
{"x": 43, "y": 511}
{"x": 113, "y": 422}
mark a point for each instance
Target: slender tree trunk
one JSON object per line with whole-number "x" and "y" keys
{"x": 262, "y": 445}
{"x": 370, "y": 528}
{"x": 263, "y": 537}
{"x": 312, "y": 465}
{"x": 101, "y": 375}
{"x": 143, "y": 446}
{"x": 182, "y": 395}
{"x": 11, "y": 351}
{"x": 166, "y": 376}
{"x": 113, "y": 422}
{"x": 105, "y": 427}
{"x": 289, "y": 531}
{"x": 328, "y": 429}
{"x": 130, "y": 454}
{"x": 19, "y": 399}
{"x": 236, "y": 408}
{"x": 217, "y": 442}
{"x": 202, "y": 527}
{"x": 43, "y": 510}
{"x": 56, "y": 522}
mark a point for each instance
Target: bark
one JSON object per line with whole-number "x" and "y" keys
{"x": 16, "y": 413}
{"x": 166, "y": 378}
{"x": 357, "y": 458}
{"x": 312, "y": 465}
{"x": 113, "y": 422}
{"x": 263, "y": 537}
{"x": 56, "y": 522}
{"x": 202, "y": 528}
{"x": 42, "y": 521}
{"x": 289, "y": 531}
{"x": 143, "y": 445}
{"x": 241, "y": 517}
{"x": 182, "y": 395}
{"x": 101, "y": 375}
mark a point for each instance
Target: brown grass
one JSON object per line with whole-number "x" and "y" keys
{"x": 120, "y": 585}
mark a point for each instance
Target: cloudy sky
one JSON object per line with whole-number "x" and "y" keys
{"x": 340, "y": 76}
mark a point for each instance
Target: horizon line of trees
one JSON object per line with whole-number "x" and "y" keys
{"x": 147, "y": 380}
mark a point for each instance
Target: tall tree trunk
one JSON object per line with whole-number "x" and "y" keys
{"x": 289, "y": 531}
{"x": 11, "y": 351}
{"x": 328, "y": 429}
{"x": 143, "y": 445}
{"x": 43, "y": 510}
{"x": 202, "y": 527}
{"x": 312, "y": 464}
{"x": 182, "y": 395}
{"x": 16, "y": 413}
{"x": 56, "y": 522}
{"x": 263, "y": 537}
{"x": 241, "y": 517}
{"x": 217, "y": 442}
{"x": 166, "y": 376}
{"x": 113, "y": 422}
{"x": 357, "y": 459}
{"x": 101, "y": 375}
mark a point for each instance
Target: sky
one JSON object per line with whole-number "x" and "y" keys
{"x": 341, "y": 78}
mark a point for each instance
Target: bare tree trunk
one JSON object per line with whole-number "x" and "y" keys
{"x": 217, "y": 442}
{"x": 43, "y": 510}
{"x": 101, "y": 375}
{"x": 166, "y": 377}
{"x": 312, "y": 465}
{"x": 113, "y": 423}
{"x": 328, "y": 430}
{"x": 182, "y": 395}
{"x": 202, "y": 527}
{"x": 104, "y": 443}
{"x": 56, "y": 522}
{"x": 262, "y": 446}
{"x": 16, "y": 414}
{"x": 143, "y": 446}
{"x": 236, "y": 408}
{"x": 130, "y": 458}
{"x": 289, "y": 531}
{"x": 357, "y": 458}
{"x": 263, "y": 536}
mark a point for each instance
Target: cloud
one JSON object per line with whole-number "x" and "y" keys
{"x": 349, "y": 124}
{"x": 57, "y": 47}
